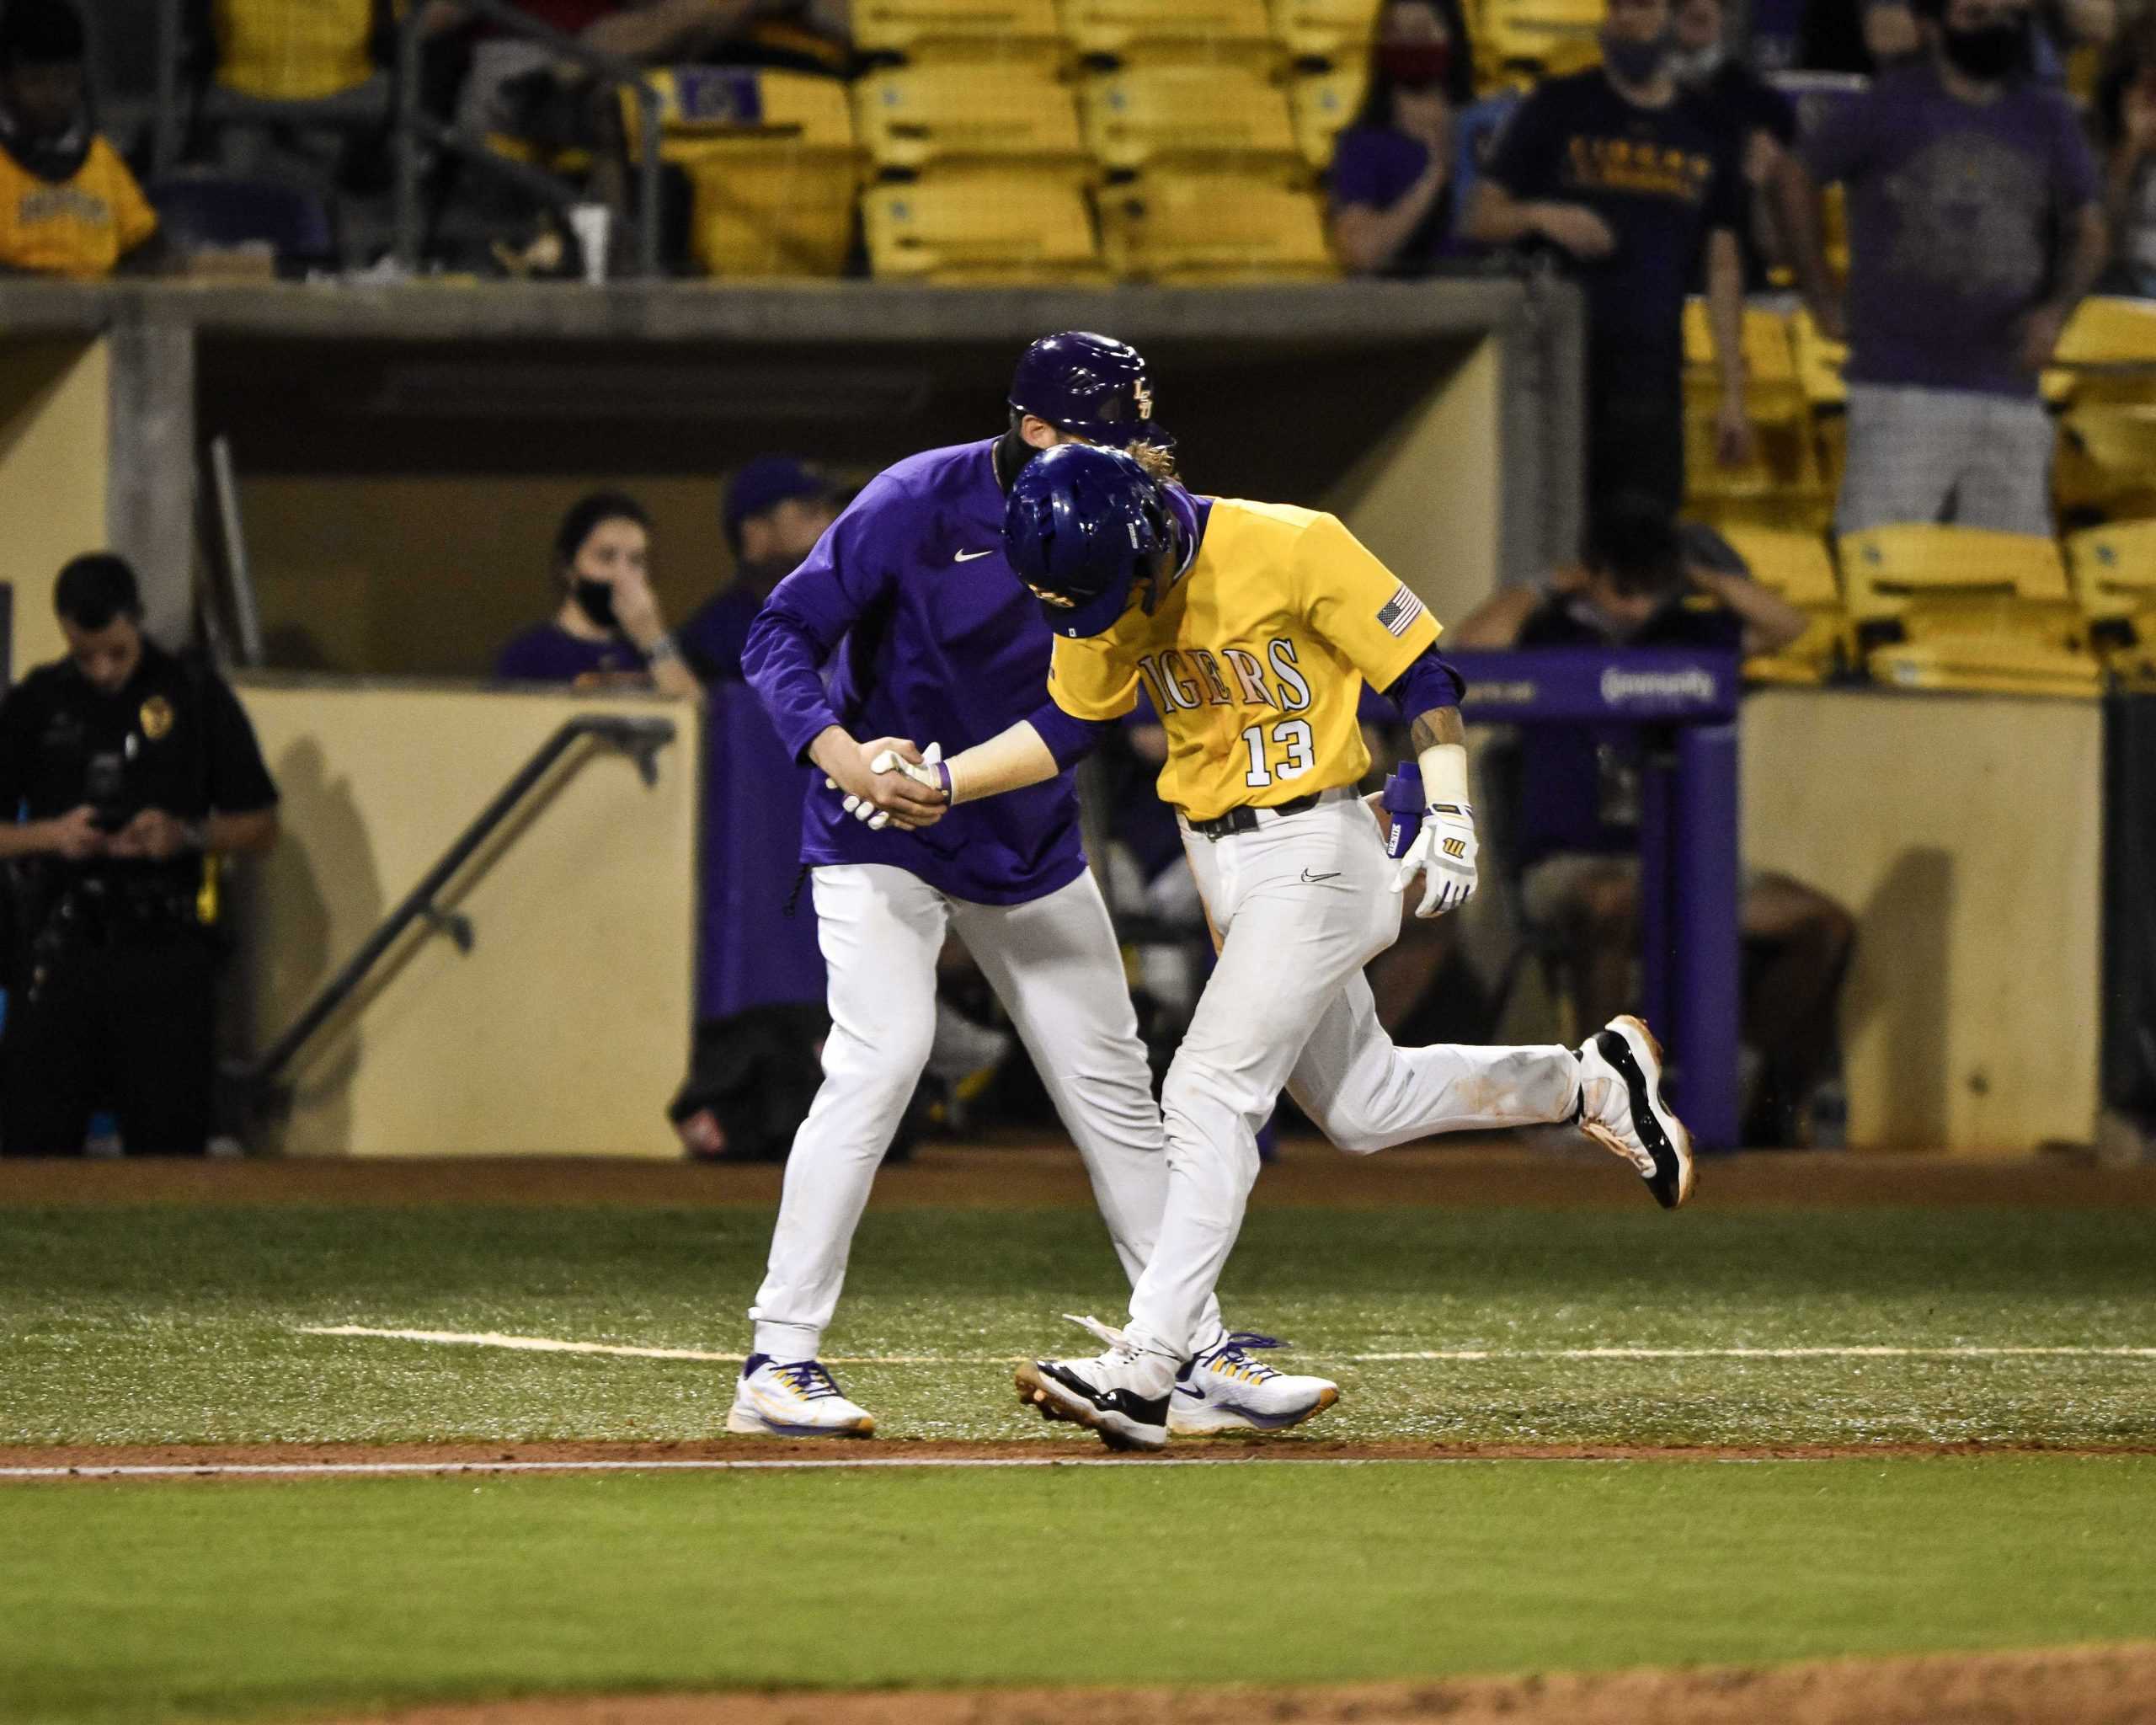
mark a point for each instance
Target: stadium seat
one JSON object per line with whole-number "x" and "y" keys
{"x": 2107, "y": 457}
{"x": 915, "y": 31}
{"x": 1527, "y": 38}
{"x": 1197, "y": 227}
{"x": 1773, "y": 394}
{"x": 1207, "y": 31}
{"x": 2114, "y": 573}
{"x": 1336, "y": 31}
{"x": 915, "y": 117}
{"x": 1321, "y": 103}
{"x": 772, "y": 162}
{"x": 2107, "y": 330}
{"x": 275, "y": 51}
{"x": 1966, "y": 608}
{"x": 1819, "y": 363}
{"x": 984, "y": 227}
{"x": 1183, "y": 116}
{"x": 1795, "y": 565}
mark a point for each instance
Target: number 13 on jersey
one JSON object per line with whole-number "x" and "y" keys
{"x": 1288, "y": 742}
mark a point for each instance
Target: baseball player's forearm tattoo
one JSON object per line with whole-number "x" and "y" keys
{"x": 1441, "y": 724}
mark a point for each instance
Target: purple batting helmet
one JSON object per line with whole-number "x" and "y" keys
{"x": 1092, "y": 386}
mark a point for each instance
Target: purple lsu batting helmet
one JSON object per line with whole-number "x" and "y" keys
{"x": 1093, "y": 387}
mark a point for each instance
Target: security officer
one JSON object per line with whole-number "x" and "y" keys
{"x": 127, "y": 769}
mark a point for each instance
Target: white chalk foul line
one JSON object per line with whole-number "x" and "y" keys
{"x": 550, "y": 1344}
{"x": 190, "y": 1470}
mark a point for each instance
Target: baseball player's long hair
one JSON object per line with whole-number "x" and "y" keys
{"x": 1158, "y": 462}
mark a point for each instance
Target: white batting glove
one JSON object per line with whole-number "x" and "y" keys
{"x": 890, "y": 761}
{"x": 1443, "y": 854}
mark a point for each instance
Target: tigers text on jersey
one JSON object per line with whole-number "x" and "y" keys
{"x": 1254, "y": 658}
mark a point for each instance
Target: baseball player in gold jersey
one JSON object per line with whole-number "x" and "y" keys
{"x": 1253, "y": 627}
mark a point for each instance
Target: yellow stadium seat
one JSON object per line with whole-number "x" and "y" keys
{"x": 1156, "y": 30}
{"x": 772, "y": 163}
{"x": 1966, "y": 608}
{"x": 2105, "y": 330}
{"x": 918, "y": 116}
{"x": 1794, "y": 564}
{"x": 1834, "y": 229}
{"x": 976, "y": 30}
{"x": 1197, "y": 227}
{"x": 1336, "y": 31}
{"x": 1554, "y": 37}
{"x": 1187, "y": 115}
{"x": 1819, "y": 363}
{"x": 277, "y": 51}
{"x": 1772, "y": 392}
{"x": 1321, "y": 103}
{"x": 983, "y": 227}
{"x": 2107, "y": 457}
{"x": 2114, "y": 570}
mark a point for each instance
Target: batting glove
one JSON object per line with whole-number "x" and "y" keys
{"x": 1443, "y": 854}
{"x": 866, "y": 812}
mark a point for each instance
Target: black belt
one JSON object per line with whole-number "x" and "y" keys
{"x": 1244, "y": 819}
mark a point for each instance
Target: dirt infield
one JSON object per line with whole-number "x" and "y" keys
{"x": 2077, "y": 1686}
{"x": 1463, "y": 1174}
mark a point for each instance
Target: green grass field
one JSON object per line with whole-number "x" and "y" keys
{"x": 142, "y": 1602}
{"x": 171, "y": 1324}
{"x": 164, "y": 1324}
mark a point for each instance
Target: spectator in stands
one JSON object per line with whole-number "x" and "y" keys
{"x": 607, "y": 631}
{"x": 1641, "y": 582}
{"x": 1762, "y": 121}
{"x": 2126, "y": 126}
{"x": 68, "y": 206}
{"x": 1974, "y": 230}
{"x": 775, "y": 510}
{"x": 1392, "y": 181}
{"x": 1629, "y": 181}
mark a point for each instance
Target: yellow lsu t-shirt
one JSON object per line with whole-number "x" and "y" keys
{"x": 1255, "y": 658}
{"x": 80, "y": 226}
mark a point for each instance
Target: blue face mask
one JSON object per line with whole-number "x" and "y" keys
{"x": 1634, "y": 62}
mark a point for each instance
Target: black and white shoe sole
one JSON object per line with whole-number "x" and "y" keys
{"x": 1056, "y": 1393}
{"x": 1629, "y": 1046}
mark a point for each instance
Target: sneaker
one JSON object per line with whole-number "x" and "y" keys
{"x": 800, "y": 1400}
{"x": 1621, "y": 1108}
{"x": 1225, "y": 1390}
{"x": 1122, "y": 1394}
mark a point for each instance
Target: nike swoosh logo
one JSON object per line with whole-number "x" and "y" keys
{"x": 1310, "y": 879}
{"x": 969, "y": 556}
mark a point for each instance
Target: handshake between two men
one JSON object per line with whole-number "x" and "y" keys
{"x": 890, "y": 782}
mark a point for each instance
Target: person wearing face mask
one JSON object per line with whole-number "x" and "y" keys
{"x": 1391, "y": 181}
{"x": 1761, "y": 119}
{"x": 68, "y": 206}
{"x": 1975, "y": 229}
{"x": 607, "y": 631}
{"x": 775, "y": 510}
{"x": 1629, "y": 184}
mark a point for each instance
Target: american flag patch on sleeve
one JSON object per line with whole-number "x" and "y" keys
{"x": 1400, "y": 612}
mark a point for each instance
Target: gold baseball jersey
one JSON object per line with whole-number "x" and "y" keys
{"x": 1255, "y": 658}
{"x": 80, "y": 226}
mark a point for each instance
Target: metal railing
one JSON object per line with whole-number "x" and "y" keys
{"x": 640, "y": 738}
{"x": 415, "y": 133}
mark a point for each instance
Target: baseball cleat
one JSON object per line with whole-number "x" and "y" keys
{"x": 1122, "y": 1394}
{"x": 1621, "y": 1108}
{"x": 796, "y": 1399}
{"x": 1225, "y": 1390}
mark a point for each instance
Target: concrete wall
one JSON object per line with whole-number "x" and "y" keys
{"x": 55, "y": 453}
{"x": 566, "y": 1029}
{"x": 1964, "y": 834}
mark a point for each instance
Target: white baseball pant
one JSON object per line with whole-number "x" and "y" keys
{"x": 1300, "y": 906}
{"x": 1055, "y": 965}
